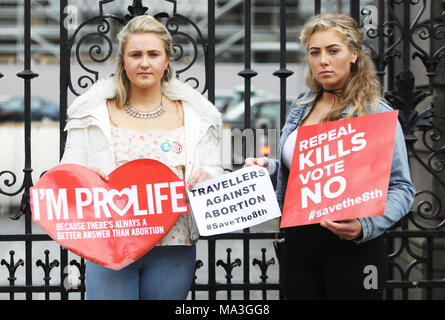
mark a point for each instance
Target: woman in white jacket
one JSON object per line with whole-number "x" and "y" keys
{"x": 142, "y": 112}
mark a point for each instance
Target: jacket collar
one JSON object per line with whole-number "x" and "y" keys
{"x": 90, "y": 103}
{"x": 310, "y": 105}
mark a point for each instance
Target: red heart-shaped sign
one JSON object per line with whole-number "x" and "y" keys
{"x": 111, "y": 223}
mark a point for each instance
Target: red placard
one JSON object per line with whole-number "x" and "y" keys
{"x": 111, "y": 223}
{"x": 340, "y": 170}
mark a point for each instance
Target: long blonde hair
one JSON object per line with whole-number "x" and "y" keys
{"x": 362, "y": 90}
{"x": 139, "y": 25}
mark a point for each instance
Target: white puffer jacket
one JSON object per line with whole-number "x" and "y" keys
{"x": 89, "y": 132}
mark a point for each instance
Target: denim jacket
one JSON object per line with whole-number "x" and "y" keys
{"x": 401, "y": 191}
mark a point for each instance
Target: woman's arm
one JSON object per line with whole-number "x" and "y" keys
{"x": 75, "y": 149}
{"x": 401, "y": 193}
{"x": 210, "y": 157}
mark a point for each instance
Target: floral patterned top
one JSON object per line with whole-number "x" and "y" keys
{"x": 166, "y": 147}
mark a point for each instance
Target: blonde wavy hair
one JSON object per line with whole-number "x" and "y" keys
{"x": 139, "y": 25}
{"x": 362, "y": 90}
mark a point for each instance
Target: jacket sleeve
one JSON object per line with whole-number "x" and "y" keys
{"x": 400, "y": 196}
{"x": 272, "y": 166}
{"x": 210, "y": 151}
{"x": 75, "y": 148}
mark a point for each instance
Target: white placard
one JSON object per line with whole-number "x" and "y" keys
{"x": 234, "y": 201}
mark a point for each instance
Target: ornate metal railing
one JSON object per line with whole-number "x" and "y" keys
{"x": 400, "y": 33}
{"x": 406, "y": 43}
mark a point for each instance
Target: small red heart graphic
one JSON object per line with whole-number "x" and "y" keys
{"x": 120, "y": 202}
{"x": 109, "y": 223}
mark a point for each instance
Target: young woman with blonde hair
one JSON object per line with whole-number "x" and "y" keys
{"x": 331, "y": 260}
{"x": 142, "y": 112}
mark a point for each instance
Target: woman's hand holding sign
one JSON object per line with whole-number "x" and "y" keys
{"x": 346, "y": 229}
{"x": 262, "y": 162}
{"x": 199, "y": 176}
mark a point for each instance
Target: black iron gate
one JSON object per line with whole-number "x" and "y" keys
{"x": 400, "y": 33}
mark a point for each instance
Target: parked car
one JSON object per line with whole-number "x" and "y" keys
{"x": 13, "y": 110}
{"x": 264, "y": 113}
{"x": 224, "y": 98}
{"x": 3, "y": 99}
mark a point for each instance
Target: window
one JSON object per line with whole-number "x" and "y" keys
{"x": 15, "y": 104}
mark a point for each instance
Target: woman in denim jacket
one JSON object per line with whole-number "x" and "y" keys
{"x": 341, "y": 259}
